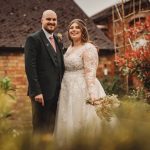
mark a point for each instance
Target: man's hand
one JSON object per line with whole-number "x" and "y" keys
{"x": 39, "y": 98}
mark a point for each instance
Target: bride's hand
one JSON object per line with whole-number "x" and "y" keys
{"x": 94, "y": 101}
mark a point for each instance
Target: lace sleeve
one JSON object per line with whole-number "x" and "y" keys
{"x": 90, "y": 58}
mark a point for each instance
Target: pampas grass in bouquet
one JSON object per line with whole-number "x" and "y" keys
{"x": 105, "y": 106}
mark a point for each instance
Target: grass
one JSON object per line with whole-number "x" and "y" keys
{"x": 131, "y": 132}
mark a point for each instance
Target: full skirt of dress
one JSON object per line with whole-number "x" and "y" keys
{"x": 73, "y": 113}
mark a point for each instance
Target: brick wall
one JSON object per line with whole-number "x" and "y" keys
{"x": 108, "y": 61}
{"x": 12, "y": 65}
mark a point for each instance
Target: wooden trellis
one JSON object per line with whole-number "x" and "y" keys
{"x": 121, "y": 13}
{"x": 120, "y": 22}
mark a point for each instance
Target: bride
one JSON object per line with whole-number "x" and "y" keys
{"x": 79, "y": 84}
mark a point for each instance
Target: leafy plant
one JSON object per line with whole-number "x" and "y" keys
{"x": 113, "y": 85}
{"x": 136, "y": 59}
{"x": 6, "y": 97}
{"x": 6, "y": 86}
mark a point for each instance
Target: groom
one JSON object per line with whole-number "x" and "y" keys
{"x": 44, "y": 68}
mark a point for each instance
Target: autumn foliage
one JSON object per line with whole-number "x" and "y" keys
{"x": 136, "y": 58}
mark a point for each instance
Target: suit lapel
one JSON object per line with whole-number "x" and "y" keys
{"x": 48, "y": 46}
{"x": 59, "y": 46}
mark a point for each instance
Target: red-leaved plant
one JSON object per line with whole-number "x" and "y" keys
{"x": 136, "y": 59}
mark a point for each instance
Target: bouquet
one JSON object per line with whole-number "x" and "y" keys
{"x": 105, "y": 106}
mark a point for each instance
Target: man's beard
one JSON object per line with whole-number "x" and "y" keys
{"x": 49, "y": 31}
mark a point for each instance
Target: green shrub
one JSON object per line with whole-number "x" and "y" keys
{"x": 6, "y": 86}
{"x": 113, "y": 85}
{"x": 6, "y": 97}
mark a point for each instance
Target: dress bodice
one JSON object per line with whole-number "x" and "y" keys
{"x": 83, "y": 58}
{"x": 75, "y": 59}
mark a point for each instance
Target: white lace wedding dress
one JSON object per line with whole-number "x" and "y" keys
{"x": 79, "y": 84}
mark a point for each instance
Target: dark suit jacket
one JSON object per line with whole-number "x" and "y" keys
{"x": 43, "y": 72}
